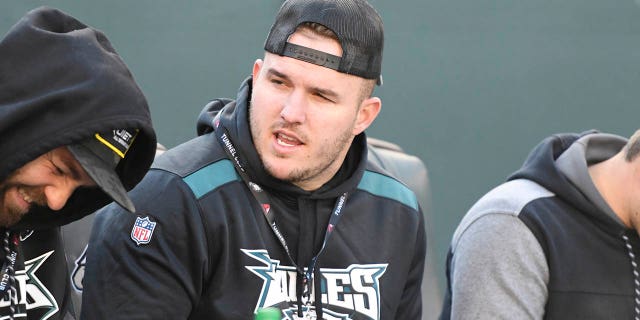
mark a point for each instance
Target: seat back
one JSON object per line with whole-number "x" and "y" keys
{"x": 413, "y": 172}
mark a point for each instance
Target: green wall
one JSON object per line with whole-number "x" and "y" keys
{"x": 470, "y": 86}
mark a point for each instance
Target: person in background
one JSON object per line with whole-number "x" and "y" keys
{"x": 275, "y": 204}
{"x": 558, "y": 240}
{"x": 76, "y": 134}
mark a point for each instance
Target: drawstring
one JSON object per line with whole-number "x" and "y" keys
{"x": 299, "y": 289}
{"x": 636, "y": 276}
{"x": 317, "y": 287}
{"x": 12, "y": 293}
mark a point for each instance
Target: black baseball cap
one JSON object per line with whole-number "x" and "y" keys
{"x": 100, "y": 155}
{"x": 356, "y": 24}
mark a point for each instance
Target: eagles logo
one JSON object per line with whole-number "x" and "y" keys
{"x": 78, "y": 272}
{"x": 352, "y": 293}
{"x": 31, "y": 291}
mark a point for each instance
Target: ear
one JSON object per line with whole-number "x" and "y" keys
{"x": 368, "y": 111}
{"x": 257, "y": 66}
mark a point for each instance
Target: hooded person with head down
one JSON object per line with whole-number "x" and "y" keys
{"x": 76, "y": 134}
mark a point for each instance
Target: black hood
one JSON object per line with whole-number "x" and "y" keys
{"x": 234, "y": 117}
{"x": 61, "y": 81}
{"x": 540, "y": 167}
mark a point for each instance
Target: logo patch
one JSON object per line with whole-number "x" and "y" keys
{"x": 78, "y": 271}
{"x": 351, "y": 293}
{"x": 119, "y": 141}
{"x": 142, "y": 230}
{"x": 24, "y": 235}
{"x": 40, "y": 302}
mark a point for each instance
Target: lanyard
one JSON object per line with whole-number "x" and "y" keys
{"x": 263, "y": 198}
{"x": 9, "y": 262}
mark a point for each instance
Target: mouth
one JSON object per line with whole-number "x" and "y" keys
{"x": 287, "y": 140}
{"x": 25, "y": 196}
{"x": 24, "y": 200}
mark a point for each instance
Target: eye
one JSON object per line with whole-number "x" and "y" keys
{"x": 57, "y": 170}
{"x": 323, "y": 97}
{"x": 277, "y": 81}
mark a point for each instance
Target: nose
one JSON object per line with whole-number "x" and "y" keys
{"x": 57, "y": 195}
{"x": 294, "y": 109}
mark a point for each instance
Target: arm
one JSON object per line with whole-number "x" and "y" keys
{"x": 411, "y": 303}
{"x": 498, "y": 271}
{"x": 161, "y": 279}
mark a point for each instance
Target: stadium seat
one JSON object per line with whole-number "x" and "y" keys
{"x": 413, "y": 172}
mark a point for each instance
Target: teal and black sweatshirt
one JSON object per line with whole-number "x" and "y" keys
{"x": 212, "y": 255}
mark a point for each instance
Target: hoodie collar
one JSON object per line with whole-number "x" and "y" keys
{"x": 586, "y": 151}
{"x": 545, "y": 167}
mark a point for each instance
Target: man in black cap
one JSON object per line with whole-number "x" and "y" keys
{"x": 76, "y": 134}
{"x": 275, "y": 203}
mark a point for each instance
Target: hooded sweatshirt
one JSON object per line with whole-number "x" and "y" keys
{"x": 202, "y": 248}
{"x": 61, "y": 82}
{"x": 545, "y": 244}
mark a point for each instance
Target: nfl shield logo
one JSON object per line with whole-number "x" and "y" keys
{"x": 142, "y": 230}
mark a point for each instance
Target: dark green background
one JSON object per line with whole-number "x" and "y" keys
{"x": 470, "y": 86}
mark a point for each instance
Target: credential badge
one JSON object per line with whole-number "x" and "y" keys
{"x": 142, "y": 230}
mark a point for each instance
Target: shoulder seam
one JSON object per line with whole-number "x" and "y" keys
{"x": 210, "y": 177}
{"x": 387, "y": 187}
{"x": 503, "y": 200}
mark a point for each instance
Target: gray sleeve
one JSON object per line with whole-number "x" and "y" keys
{"x": 498, "y": 271}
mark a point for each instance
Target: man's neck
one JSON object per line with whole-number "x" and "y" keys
{"x": 611, "y": 178}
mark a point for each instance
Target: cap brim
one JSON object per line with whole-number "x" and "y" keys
{"x": 103, "y": 175}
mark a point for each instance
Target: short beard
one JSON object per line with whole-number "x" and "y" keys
{"x": 298, "y": 176}
{"x": 10, "y": 215}
{"x": 13, "y": 214}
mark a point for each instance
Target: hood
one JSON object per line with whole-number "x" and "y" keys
{"x": 234, "y": 117}
{"x": 540, "y": 167}
{"x": 61, "y": 82}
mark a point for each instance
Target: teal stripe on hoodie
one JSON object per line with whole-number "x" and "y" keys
{"x": 388, "y": 187}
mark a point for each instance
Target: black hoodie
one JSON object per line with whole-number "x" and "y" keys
{"x": 545, "y": 244}
{"x": 211, "y": 254}
{"x": 61, "y": 81}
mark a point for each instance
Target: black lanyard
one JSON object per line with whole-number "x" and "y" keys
{"x": 8, "y": 267}
{"x": 263, "y": 198}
